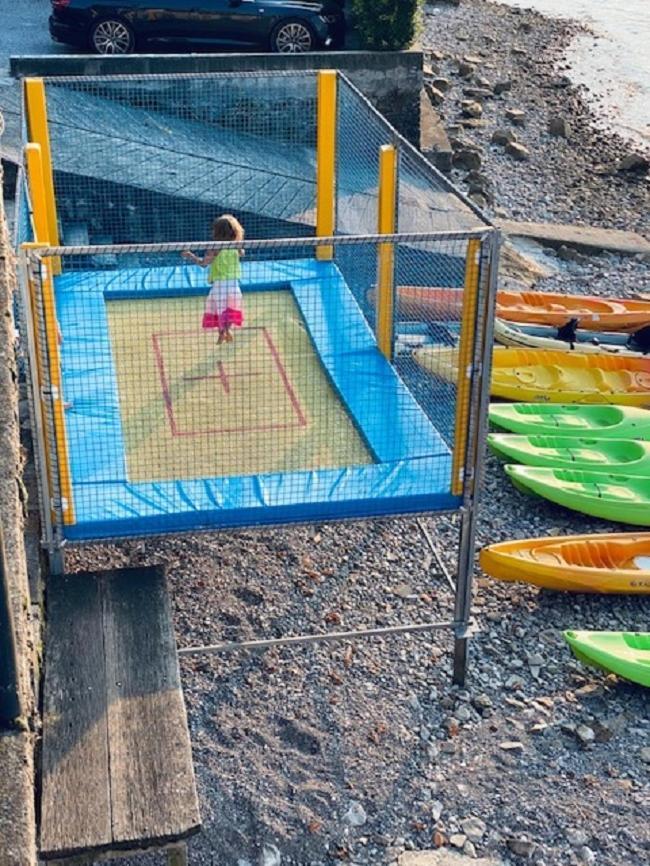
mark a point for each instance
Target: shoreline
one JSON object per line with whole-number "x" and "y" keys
{"x": 569, "y": 175}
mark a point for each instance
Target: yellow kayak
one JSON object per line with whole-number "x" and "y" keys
{"x": 616, "y": 562}
{"x": 542, "y": 376}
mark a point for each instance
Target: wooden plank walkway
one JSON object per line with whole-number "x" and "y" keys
{"x": 117, "y": 767}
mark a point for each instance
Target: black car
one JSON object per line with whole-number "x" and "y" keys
{"x": 109, "y": 27}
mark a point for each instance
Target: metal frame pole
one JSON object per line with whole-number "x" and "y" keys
{"x": 476, "y": 458}
{"x": 326, "y": 161}
{"x": 386, "y": 219}
{"x": 10, "y": 704}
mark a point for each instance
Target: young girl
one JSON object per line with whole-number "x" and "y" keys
{"x": 223, "y": 306}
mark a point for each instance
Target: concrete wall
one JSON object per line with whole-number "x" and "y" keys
{"x": 392, "y": 80}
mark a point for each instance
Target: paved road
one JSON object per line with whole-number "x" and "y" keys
{"x": 24, "y": 30}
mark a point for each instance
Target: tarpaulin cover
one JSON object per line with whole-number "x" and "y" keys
{"x": 413, "y": 468}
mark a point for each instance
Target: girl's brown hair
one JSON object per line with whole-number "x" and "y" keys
{"x": 227, "y": 228}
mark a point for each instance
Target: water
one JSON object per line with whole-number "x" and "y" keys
{"x": 614, "y": 63}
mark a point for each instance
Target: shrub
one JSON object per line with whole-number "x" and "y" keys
{"x": 386, "y": 25}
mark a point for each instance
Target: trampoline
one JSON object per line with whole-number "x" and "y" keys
{"x": 300, "y": 417}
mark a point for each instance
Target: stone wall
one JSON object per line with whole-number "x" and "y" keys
{"x": 392, "y": 80}
{"x": 17, "y": 821}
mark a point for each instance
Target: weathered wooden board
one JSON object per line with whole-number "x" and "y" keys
{"x": 75, "y": 798}
{"x": 117, "y": 763}
{"x": 153, "y": 794}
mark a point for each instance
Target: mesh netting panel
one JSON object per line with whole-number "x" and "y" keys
{"x": 23, "y": 232}
{"x": 250, "y": 388}
{"x": 151, "y": 159}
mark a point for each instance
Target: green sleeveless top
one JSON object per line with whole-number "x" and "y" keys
{"x": 225, "y": 266}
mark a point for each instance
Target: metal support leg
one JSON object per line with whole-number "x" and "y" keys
{"x": 177, "y": 856}
{"x": 463, "y": 604}
{"x": 56, "y": 560}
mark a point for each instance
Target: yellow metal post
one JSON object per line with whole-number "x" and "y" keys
{"x": 386, "y": 252}
{"x": 34, "y": 163}
{"x": 38, "y": 133}
{"x": 326, "y": 161}
{"x": 465, "y": 352}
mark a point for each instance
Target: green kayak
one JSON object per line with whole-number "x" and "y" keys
{"x": 605, "y": 422}
{"x": 624, "y": 653}
{"x": 622, "y": 498}
{"x": 566, "y": 452}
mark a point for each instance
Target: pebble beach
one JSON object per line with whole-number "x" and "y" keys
{"x": 360, "y": 753}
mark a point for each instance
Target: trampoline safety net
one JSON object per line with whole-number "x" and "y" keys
{"x": 248, "y": 301}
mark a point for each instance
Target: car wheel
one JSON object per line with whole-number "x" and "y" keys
{"x": 292, "y": 37}
{"x": 112, "y": 36}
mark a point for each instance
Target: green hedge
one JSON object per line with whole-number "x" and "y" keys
{"x": 386, "y": 25}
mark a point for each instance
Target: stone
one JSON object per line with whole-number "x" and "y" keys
{"x": 457, "y": 840}
{"x": 443, "y": 857}
{"x": 517, "y": 151}
{"x": 479, "y": 93}
{"x": 468, "y": 849}
{"x": 586, "y": 855}
{"x": 441, "y": 84}
{"x": 471, "y": 108}
{"x": 644, "y": 754}
{"x": 270, "y": 856}
{"x": 356, "y": 815}
{"x": 463, "y": 714}
{"x": 466, "y": 69}
{"x": 519, "y": 52}
{"x": 436, "y": 810}
{"x": 634, "y": 162}
{"x": 585, "y": 734}
{"x": 511, "y": 746}
{"x": 576, "y": 837}
{"x": 503, "y": 136}
{"x": 516, "y": 116}
{"x": 468, "y": 158}
{"x": 473, "y": 828}
{"x": 558, "y": 127}
{"x": 472, "y": 58}
{"x": 521, "y": 847}
{"x": 436, "y": 97}
{"x": 514, "y": 682}
{"x": 502, "y": 87}
{"x": 482, "y": 701}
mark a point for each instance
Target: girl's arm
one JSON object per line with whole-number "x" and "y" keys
{"x": 201, "y": 262}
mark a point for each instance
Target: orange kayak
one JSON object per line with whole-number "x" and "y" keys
{"x": 607, "y": 563}
{"x": 439, "y": 303}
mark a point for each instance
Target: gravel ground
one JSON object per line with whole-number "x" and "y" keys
{"x": 353, "y": 754}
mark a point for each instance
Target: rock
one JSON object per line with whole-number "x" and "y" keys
{"x": 514, "y": 682}
{"x": 473, "y": 59}
{"x": 457, "y": 840}
{"x": 502, "y": 87}
{"x": 270, "y": 856}
{"x": 356, "y": 815}
{"x": 503, "y": 136}
{"x": 467, "y": 158}
{"x": 521, "y": 847}
{"x": 586, "y": 855}
{"x": 519, "y": 52}
{"x": 482, "y": 702}
{"x": 516, "y": 116}
{"x": 471, "y": 108}
{"x": 469, "y": 850}
{"x": 561, "y": 81}
{"x": 436, "y": 97}
{"x": 429, "y": 70}
{"x": 511, "y": 746}
{"x": 436, "y": 56}
{"x": 644, "y": 754}
{"x": 576, "y": 837}
{"x": 465, "y": 69}
{"x": 473, "y": 828}
{"x": 585, "y": 734}
{"x": 463, "y": 714}
{"x": 634, "y": 162}
{"x": 517, "y": 151}
{"x": 444, "y": 857}
{"x": 441, "y": 84}
{"x": 558, "y": 127}
{"x": 436, "y": 810}
{"x": 477, "y": 93}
